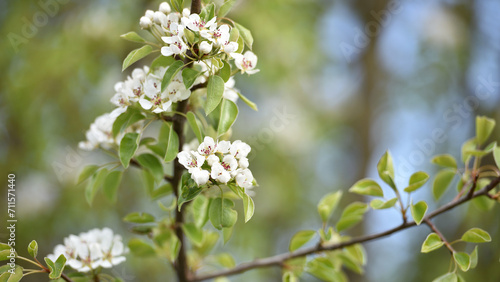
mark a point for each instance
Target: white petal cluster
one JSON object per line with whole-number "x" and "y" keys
{"x": 100, "y": 132}
{"x": 213, "y": 39}
{"x": 219, "y": 162}
{"x": 92, "y": 249}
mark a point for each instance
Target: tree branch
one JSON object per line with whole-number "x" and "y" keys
{"x": 278, "y": 260}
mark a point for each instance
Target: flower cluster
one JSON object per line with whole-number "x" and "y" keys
{"x": 188, "y": 35}
{"x": 92, "y": 249}
{"x": 100, "y": 132}
{"x": 219, "y": 162}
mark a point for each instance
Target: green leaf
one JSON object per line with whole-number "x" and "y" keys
{"x": 188, "y": 193}
{"x": 418, "y": 211}
{"x": 221, "y": 213}
{"x": 171, "y": 72}
{"x": 245, "y": 34}
{"x": 496, "y": 156}
{"x": 189, "y": 75}
{"x": 351, "y": 215}
{"x": 172, "y": 146}
{"x": 469, "y": 145}
{"x": 178, "y": 5}
{"x": 417, "y": 180}
{"x": 484, "y": 128}
{"x": 215, "y": 90}
{"x": 385, "y": 170}
{"x": 193, "y": 122}
{"x": 33, "y": 248}
{"x": 431, "y": 243}
{"x": 225, "y": 8}
{"x": 87, "y": 172}
{"x": 194, "y": 233}
{"x": 234, "y": 35}
{"x": 289, "y": 276}
{"x": 378, "y": 204}
{"x": 148, "y": 182}
{"x": 126, "y": 119}
{"x": 7, "y": 276}
{"x": 133, "y": 36}
{"x": 5, "y": 251}
{"x": 448, "y": 277}
{"x": 445, "y": 160}
{"x": 324, "y": 269}
{"x": 162, "y": 191}
{"x": 442, "y": 182}
{"x": 128, "y": 146}
{"x": 357, "y": 252}
{"x": 227, "y": 233}
{"x": 111, "y": 184}
{"x": 300, "y": 238}
{"x": 162, "y": 61}
{"x": 225, "y": 260}
{"x": 139, "y": 217}
{"x": 248, "y": 207}
{"x": 210, "y": 11}
{"x": 350, "y": 263}
{"x": 476, "y": 235}
{"x": 367, "y": 187}
{"x": 200, "y": 210}
{"x": 327, "y": 205}
{"x": 94, "y": 184}
{"x": 136, "y": 55}
{"x": 473, "y": 258}
{"x": 225, "y": 71}
{"x": 251, "y": 104}
{"x": 151, "y": 163}
{"x": 56, "y": 268}
{"x": 463, "y": 260}
{"x": 228, "y": 114}
{"x": 140, "y": 248}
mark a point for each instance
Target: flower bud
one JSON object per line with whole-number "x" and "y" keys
{"x": 164, "y": 8}
{"x": 160, "y": 18}
{"x": 186, "y": 12}
{"x": 150, "y": 14}
{"x": 205, "y": 47}
{"x": 145, "y": 22}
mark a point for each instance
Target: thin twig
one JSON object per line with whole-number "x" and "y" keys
{"x": 441, "y": 236}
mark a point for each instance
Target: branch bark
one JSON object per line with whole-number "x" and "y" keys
{"x": 278, "y": 260}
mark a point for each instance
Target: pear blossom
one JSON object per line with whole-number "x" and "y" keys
{"x": 100, "y": 132}
{"x": 207, "y": 147}
{"x": 195, "y": 23}
{"x": 157, "y": 101}
{"x": 91, "y": 250}
{"x": 230, "y": 93}
{"x": 186, "y": 12}
{"x": 223, "y": 147}
{"x": 217, "y": 35}
{"x": 229, "y": 47}
{"x": 200, "y": 176}
{"x": 219, "y": 173}
{"x": 244, "y": 178}
{"x": 246, "y": 62}
{"x": 239, "y": 149}
{"x": 205, "y": 47}
{"x": 191, "y": 159}
{"x": 145, "y": 22}
{"x": 164, "y": 8}
{"x": 176, "y": 46}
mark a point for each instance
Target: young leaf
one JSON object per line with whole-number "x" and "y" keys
{"x": 87, "y": 172}
{"x": 126, "y": 119}
{"x": 178, "y": 5}
{"x": 56, "y": 268}
{"x": 140, "y": 248}
{"x": 189, "y": 75}
{"x": 209, "y": 11}
{"x": 188, "y": 193}
{"x": 172, "y": 146}
{"x": 221, "y": 213}
{"x": 385, "y": 170}
{"x": 33, "y": 248}
{"x": 227, "y": 233}
{"x": 324, "y": 269}
{"x": 431, "y": 243}
{"x": 448, "y": 277}
{"x": 473, "y": 258}
{"x": 351, "y": 215}
{"x": 137, "y": 217}
{"x": 251, "y": 104}
{"x": 11, "y": 276}
{"x": 111, "y": 184}
{"x": 133, "y": 36}
{"x": 496, "y": 156}
{"x": 151, "y": 163}
{"x": 171, "y": 72}
{"x": 469, "y": 145}
{"x": 128, "y": 146}
{"x": 162, "y": 191}
{"x": 228, "y": 114}
{"x": 245, "y": 34}
{"x": 136, "y": 55}
{"x": 445, "y": 160}
{"x": 248, "y": 207}
{"x": 463, "y": 260}
{"x": 289, "y": 276}
{"x": 193, "y": 122}
{"x": 442, "y": 182}
{"x": 378, "y": 204}
{"x": 194, "y": 233}
{"x": 484, "y": 128}
{"x": 327, "y": 205}
{"x": 225, "y": 260}
{"x": 225, "y": 8}
{"x": 94, "y": 184}
{"x": 476, "y": 235}
{"x": 225, "y": 71}
{"x": 200, "y": 210}
{"x": 300, "y": 238}
{"x": 215, "y": 90}
{"x": 418, "y": 211}
{"x": 417, "y": 180}
{"x": 162, "y": 61}
{"x": 148, "y": 181}
{"x": 367, "y": 187}
{"x": 5, "y": 251}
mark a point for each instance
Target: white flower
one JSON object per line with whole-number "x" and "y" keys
{"x": 230, "y": 93}
{"x": 244, "y": 178}
{"x": 223, "y": 147}
{"x": 193, "y": 145}
{"x": 190, "y": 160}
{"x": 177, "y": 91}
{"x": 229, "y": 163}
{"x": 207, "y": 147}
{"x": 149, "y": 14}
{"x": 194, "y": 23}
{"x": 205, "y": 47}
{"x": 176, "y": 46}
{"x": 239, "y": 149}
{"x": 158, "y": 101}
{"x": 186, "y": 12}
{"x": 200, "y": 176}
{"x": 145, "y": 22}
{"x": 100, "y": 132}
{"x": 164, "y": 8}
{"x": 218, "y": 35}
{"x": 160, "y": 18}
{"x": 212, "y": 159}
{"x": 229, "y": 47}
{"x": 171, "y": 19}
{"x": 246, "y": 63}
{"x": 219, "y": 173}
{"x": 243, "y": 162}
